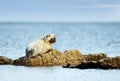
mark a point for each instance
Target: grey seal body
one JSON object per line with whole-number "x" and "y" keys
{"x": 40, "y": 46}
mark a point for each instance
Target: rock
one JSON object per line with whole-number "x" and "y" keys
{"x": 53, "y": 57}
{"x": 69, "y": 59}
{"x": 86, "y": 65}
{"x": 99, "y": 63}
{"x": 5, "y": 60}
{"x": 93, "y": 65}
{"x": 95, "y": 56}
{"x": 113, "y": 62}
{"x": 73, "y": 57}
{"x": 20, "y": 61}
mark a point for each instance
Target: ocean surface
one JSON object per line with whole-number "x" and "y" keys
{"x": 86, "y": 37}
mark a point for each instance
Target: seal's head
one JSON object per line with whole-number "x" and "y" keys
{"x": 50, "y": 38}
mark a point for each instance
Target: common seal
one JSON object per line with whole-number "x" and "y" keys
{"x": 40, "y": 46}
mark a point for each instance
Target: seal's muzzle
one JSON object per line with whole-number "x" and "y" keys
{"x": 52, "y": 40}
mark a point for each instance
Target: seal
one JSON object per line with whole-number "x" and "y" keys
{"x": 40, "y": 46}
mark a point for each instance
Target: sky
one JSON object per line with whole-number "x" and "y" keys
{"x": 60, "y": 10}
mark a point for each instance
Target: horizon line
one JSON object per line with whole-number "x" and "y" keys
{"x": 57, "y": 21}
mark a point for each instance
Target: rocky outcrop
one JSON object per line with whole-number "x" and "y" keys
{"x": 5, "y": 60}
{"x": 68, "y": 59}
{"x": 103, "y": 63}
{"x": 113, "y": 62}
{"x": 52, "y": 58}
{"x": 90, "y": 61}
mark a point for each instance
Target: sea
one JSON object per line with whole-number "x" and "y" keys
{"x": 88, "y": 37}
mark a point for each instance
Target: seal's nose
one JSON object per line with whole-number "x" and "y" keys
{"x": 52, "y": 40}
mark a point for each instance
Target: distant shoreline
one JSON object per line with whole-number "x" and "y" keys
{"x": 59, "y": 22}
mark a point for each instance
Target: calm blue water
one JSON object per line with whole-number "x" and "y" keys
{"x": 86, "y": 37}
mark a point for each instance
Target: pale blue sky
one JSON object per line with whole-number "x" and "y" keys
{"x": 60, "y": 10}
